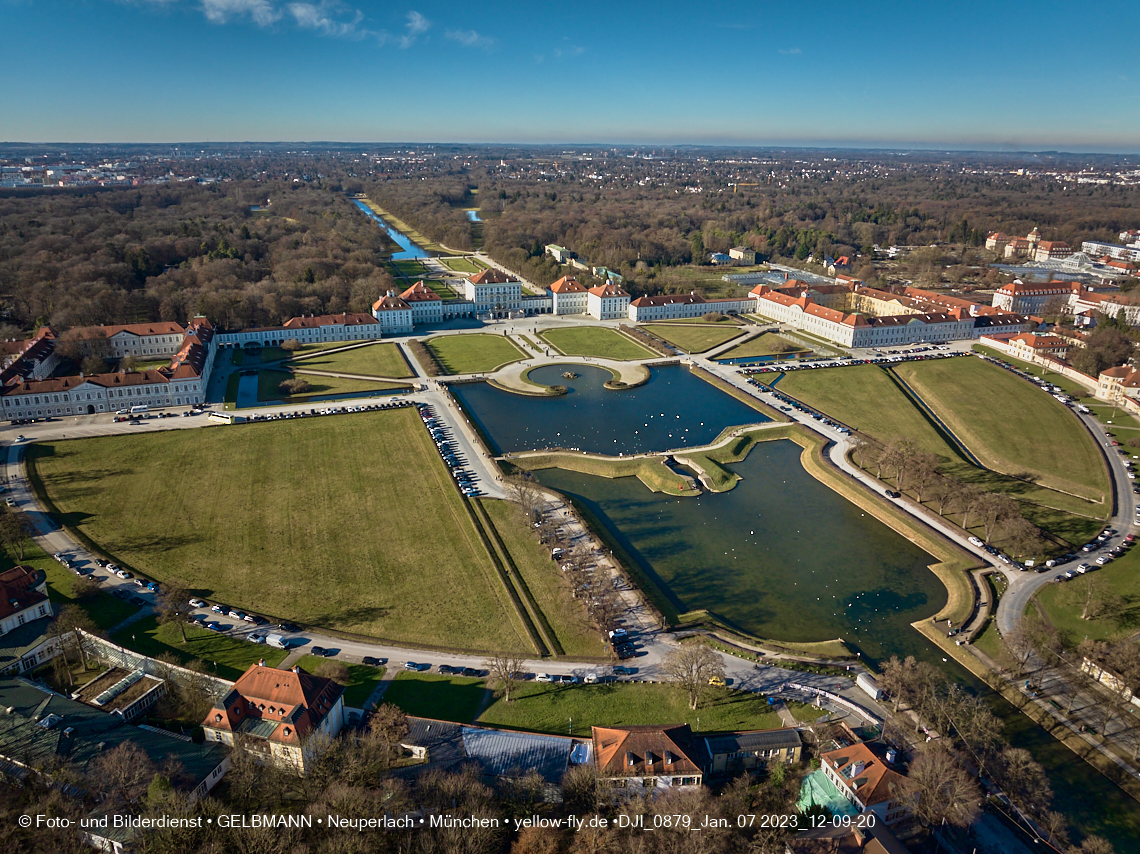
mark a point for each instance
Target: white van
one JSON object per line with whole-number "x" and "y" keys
{"x": 141, "y": 408}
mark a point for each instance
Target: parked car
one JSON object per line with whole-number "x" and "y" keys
{"x": 290, "y": 627}
{"x": 317, "y": 650}
{"x": 197, "y": 603}
{"x": 372, "y": 661}
{"x": 219, "y": 609}
{"x": 447, "y": 668}
{"x": 543, "y": 677}
{"x": 618, "y": 670}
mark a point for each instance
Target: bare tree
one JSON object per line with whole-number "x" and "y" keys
{"x": 993, "y": 508}
{"x": 69, "y": 627}
{"x": 337, "y": 671}
{"x": 922, "y": 473}
{"x": 691, "y": 666}
{"x": 15, "y": 530}
{"x": 523, "y": 490}
{"x": 1093, "y": 845}
{"x": 123, "y": 772}
{"x": 968, "y": 500}
{"x": 506, "y": 671}
{"x": 173, "y": 606}
{"x": 938, "y": 788}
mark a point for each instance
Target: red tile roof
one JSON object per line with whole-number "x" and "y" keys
{"x": 419, "y": 292}
{"x": 868, "y": 776}
{"x": 638, "y": 751}
{"x": 311, "y": 322}
{"x": 567, "y": 285}
{"x": 18, "y": 589}
{"x": 491, "y": 276}
{"x": 296, "y": 699}
{"x": 668, "y": 299}
{"x": 608, "y": 290}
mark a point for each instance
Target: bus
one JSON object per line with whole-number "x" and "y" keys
{"x": 226, "y": 418}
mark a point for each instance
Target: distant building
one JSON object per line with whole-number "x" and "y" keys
{"x": 144, "y": 340}
{"x": 1022, "y": 298}
{"x": 1096, "y": 249}
{"x": 25, "y": 613}
{"x": 560, "y": 253}
{"x": 719, "y": 259}
{"x": 736, "y": 753}
{"x": 677, "y": 306}
{"x": 278, "y": 712}
{"x": 1116, "y": 384}
{"x": 996, "y": 241}
{"x": 1047, "y": 250}
{"x": 426, "y": 304}
{"x": 1029, "y": 344}
{"x": 742, "y": 254}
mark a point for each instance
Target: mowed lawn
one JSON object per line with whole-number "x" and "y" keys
{"x": 276, "y": 354}
{"x": 372, "y": 360}
{"x": 362, "y": 678}
{"x": 868, "y": 400}
{"x": 595, "y": 341}
{"x": 432, "y": 695}
{"x": 766, "y": 344}
{"x": 268, "y": 382}
{"x": 350, "y": 522}
{"x": 1011, "y": 425}
{"x": 694, "y": 339}
{"x": 225, "y": 656}
{"x": 474, "y": 354}
{"x": 1063, "y": 601}
{"x": 542, "y": 707}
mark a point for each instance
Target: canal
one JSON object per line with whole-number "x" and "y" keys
{"x": 780, "y": 555}
{"x": 408, "y": 249}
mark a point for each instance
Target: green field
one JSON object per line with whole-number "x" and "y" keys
{"x": 1063, "y": 601}
{"x": 223, "y": 656}
{"x": 550, "y": 708}
{"x": 461, "y": 265}
{"x": 268, "y": 381}
{"x": 595, "y": 341}
{"x": 276, "y": 354}
{"x": 351, "y": 523}
{"x": 1010, "y": 425}
{"x": 695, "y": 339}
{"x": 362, "y": 679}
{"x": 541, "y": 707}
{"x": 430, "y": 695}
{"x": 868, "y": 400}
{"x": 374, "y": 360}
{"x": 474, "y": 354}
{"x": 765, "y": 344}
{"x": 567, "y": 616}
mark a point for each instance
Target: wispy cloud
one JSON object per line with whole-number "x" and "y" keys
{"x": 470, "y": 38}
{"x": 790, "y": 51}
{"x": 576, "y": 50}
{"x": 323, "y": 18}
{"x": 417, "y": 26}
{"x": 261, "y": 12}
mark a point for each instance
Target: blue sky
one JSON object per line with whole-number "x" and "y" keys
{"x": 1008, "y": 75}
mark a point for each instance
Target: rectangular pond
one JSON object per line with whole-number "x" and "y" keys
{"x": 780, "y": 556}
{"x": 674, "y": 409}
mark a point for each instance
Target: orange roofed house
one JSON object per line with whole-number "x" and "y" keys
{"x": 867, "y": 780}
{"x": 277, "y": 713}
{"x": 648, "y": 757}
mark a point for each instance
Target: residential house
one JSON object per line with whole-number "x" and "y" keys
{"x": 25, "y": 613}
{"x": 277, "y": 712}
{"x": 1029, "y": 344}
{"x": 736, "y": 753}
{"x": 642, "y": 758}
{"x": 742, "y": 254}
{"x": 867, "y": 780}
{"x": 1116, "y": 384}
{"x": 560, "y": 253}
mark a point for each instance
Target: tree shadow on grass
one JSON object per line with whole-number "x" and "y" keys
{"x": 456, "y": 700}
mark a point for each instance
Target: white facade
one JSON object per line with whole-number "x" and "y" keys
{"x": 647, "y": 309}
{"x": 607, "y": 302}
{"x": 1096, "y": 249}
{"x": 496, "y": 298}
{"x": 101, "y": 393}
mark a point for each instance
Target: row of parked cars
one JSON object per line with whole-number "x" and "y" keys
{"x": 449, "y": 451}
{"x": 916, "y": 355}
{"x": 787, "y": 404}
{"x": 331, "y": 410}
{"x": 523, "y": 675}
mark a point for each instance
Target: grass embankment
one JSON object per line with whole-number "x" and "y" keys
{"x": 652, "y": 471}
{"x": 712, "y": 462}
{"x": 474, "y": 354}
{"x": 565, "y": 616}
{"x": 227, "y": 657}
{"x": 989, "y": 641}
{"x": 376, "y": 360}
{"x": 362, "y": 679}
{"x": 596, "y": 341}
{"x": 269, "y": 381}
{"x": 1010, "y": 425}
{"x": 867, "y": 399}
{"x": 764, "y": 344}
{"x": 1064, "y": 602}
{"x": 694, "y": 339}
{"x": 351, "y": 523}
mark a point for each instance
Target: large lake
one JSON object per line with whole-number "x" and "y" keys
{"x": 780, "y": 555}
{"x": 674, "y": 409}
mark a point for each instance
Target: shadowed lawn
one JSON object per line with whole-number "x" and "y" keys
{"x": 350, "y": 522}
{"x": 430, "y": 695}
{"x": 377, "y": 360}
{"x": 228, "y": 657}
{"x": 767, "y": 344}
{"x": 362, "y": 679}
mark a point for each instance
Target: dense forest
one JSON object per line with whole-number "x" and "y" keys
{"x": 169, "y": 251}
{"x": 88, "y": 257}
